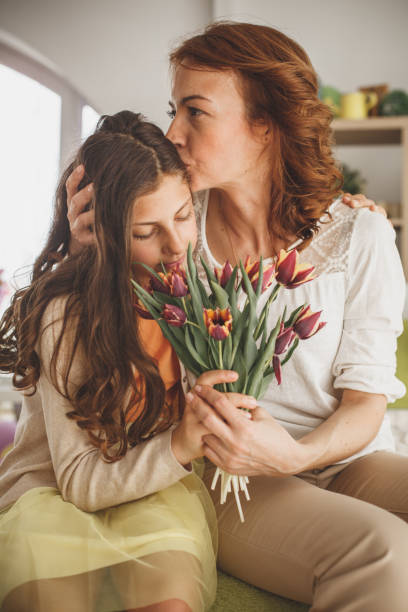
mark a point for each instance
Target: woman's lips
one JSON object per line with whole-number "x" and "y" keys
{"x": 175, "y": 264}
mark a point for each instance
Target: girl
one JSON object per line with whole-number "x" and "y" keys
{"x": 100, "y": 507}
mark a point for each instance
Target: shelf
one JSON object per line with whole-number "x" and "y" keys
{"x": 374, "y": 130}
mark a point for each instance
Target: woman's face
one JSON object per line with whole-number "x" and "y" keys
{"x": 210, "y": 129}
{"x": 163, "y": 223}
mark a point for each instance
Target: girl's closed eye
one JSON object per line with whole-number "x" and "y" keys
{"x": 185, "y": 217}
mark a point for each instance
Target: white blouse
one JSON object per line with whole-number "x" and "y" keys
{"x": 360, "y": 289}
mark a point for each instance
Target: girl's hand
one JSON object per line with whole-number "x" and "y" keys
{"x": 360, "y": 201}
{"x": 187, "y": 439}
{"x": 242, "y": 446}
{"x": 80, "y": 221}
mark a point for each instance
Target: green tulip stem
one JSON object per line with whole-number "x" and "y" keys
{"x": 183, "y": 301}
{"x": 221, "y": 365}
{"x": 193, "y": 324}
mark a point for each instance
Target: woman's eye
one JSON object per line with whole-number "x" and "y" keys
{"x": 171, "y": 113}
{"x": 194, "y": 112}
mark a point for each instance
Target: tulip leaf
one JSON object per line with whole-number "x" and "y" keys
{"x": 192, "y": 350}
{"x": 293, "y": 316}
{"x": 266, "y": 381}
{"x": 203, "y": 293}
{"x": 260, "y": 278}
{"x": 153, "y": 272}
{"x": 227, "y": 353}
{"x": 200, "y": 340}
{"x": 247, "y": 284}
{"x": 208, "y": 272}
{"x": 145, "y": 296}
{"x": 239, "y": 366}
{"x": 221, "y": 296}
{"x": 230, "y": 286}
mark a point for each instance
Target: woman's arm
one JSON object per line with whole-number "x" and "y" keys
{"x": 262, "y": 446}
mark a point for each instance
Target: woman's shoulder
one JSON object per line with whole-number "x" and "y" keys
{"x": 342, "y": 232}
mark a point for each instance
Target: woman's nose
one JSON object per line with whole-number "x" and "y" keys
{"x": 174, "y": 244}
{"x": 175, "y": 133}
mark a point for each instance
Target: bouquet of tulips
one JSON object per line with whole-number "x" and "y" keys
{"x": 209, "y": 331}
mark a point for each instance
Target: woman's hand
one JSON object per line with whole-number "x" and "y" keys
{"x": 187, "y": 440}
{"x": 361, "y": 201}
{"x": 80, "y": 221}
{"x": 240, "y": 445}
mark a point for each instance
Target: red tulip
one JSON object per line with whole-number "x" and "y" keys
{"x": 174, "y": 315}
{"x": 252, "y": 269}
{"x": 218, "y": 322}
{"x": 290, "y": 273}
{"x": 223, "y": 274}
{"x": 284, "y": 339}
{"x": 173, "y": 283}
{"x": 277, "y": 368}
{"x": 141, "y": 311}
{"x": 307, "y": 323}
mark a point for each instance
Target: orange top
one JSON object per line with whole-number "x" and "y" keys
{"x": 164, "y": 355}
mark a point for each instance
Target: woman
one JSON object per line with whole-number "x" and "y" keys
{"x": 324, "y": 522}
{"x": 99, "y": 506}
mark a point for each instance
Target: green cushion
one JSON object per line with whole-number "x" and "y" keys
{"x": 233, "y": 595}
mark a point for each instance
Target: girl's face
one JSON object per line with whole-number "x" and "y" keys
{"x": 163, "y": 223}
{"x": 210, "y": 129}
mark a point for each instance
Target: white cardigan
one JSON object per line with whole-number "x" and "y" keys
{"x": 360, "y": 289}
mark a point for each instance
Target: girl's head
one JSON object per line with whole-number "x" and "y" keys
{"x": 142, "y": 200}
{"x": 143, "y": 212}
{"x": 245, "y": 97}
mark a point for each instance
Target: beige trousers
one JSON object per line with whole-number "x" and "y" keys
{"x": 335, "y": 538}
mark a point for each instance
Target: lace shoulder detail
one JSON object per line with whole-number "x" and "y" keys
{"x": 329, "y": 249}
{"x": 199, "y": 251}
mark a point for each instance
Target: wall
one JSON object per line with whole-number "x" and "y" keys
{"x": 115, "y": 53}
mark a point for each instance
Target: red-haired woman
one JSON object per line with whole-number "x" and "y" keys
{"x": 326, "y": 523}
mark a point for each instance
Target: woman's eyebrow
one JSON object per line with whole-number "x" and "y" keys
{"x": 154, "y": 222}
{"x": 189, "y": 98}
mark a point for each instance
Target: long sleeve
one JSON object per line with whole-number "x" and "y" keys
{"x": 373, "y": 311}
{"x": 82, "y": 475}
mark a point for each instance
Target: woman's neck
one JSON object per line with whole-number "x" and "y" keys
{"x": 238, "y": 222}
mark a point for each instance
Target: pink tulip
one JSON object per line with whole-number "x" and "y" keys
{"x": 173, "y": 283}
{"x": 284, "y": 339}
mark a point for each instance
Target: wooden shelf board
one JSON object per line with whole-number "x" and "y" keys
{"x": 375, "y": 130}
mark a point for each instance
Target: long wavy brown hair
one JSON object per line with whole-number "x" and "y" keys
{"x": 126, "y": 157}
{"x": 279, "y": 86}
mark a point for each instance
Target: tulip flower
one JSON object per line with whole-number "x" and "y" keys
{"x": 252, "y": 269}
{"x": 142, "y": 312}
{"x": 174, "y": 315}
{"x": 277, "y": 368}
{"x": 307, "y": 323}
{"x": 223, "y": 274}
{"x": 218, "y": 322}
{"x": 284, "y": 339}
{"x": 289, "y": 272}
{"x": 173, "y": 283}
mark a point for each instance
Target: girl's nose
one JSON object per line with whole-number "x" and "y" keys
{"x": 174, "y": 245}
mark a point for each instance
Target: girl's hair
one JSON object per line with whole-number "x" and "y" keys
{"x": 125, "y": 158}
{"x": 279, "y": 86}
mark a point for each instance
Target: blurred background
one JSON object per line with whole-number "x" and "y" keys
{"x": 62, "y": 64}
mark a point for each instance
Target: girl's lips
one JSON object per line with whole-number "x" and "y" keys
{"x": 175, "y": 264}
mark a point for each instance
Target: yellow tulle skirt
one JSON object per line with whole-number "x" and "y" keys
{"x": 55, "y": 557}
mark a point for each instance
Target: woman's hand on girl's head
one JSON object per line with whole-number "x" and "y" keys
{"x": 359, "y": 200}
{"x": 240, "y": 445}
{"x": 80, "y": 221}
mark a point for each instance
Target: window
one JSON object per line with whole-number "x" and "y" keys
{"x": 42, "y": 121}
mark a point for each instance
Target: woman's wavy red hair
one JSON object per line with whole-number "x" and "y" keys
{"x": 279, "y": 86}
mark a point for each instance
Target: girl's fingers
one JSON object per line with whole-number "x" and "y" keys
{"x": 221, "y": 404}
{"x": 214, "y": 377}
{"x": 242, "y": 401}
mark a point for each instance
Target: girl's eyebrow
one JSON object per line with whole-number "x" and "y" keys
{"x": 189, "y": 98}
{"x": 154, "y": 222}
